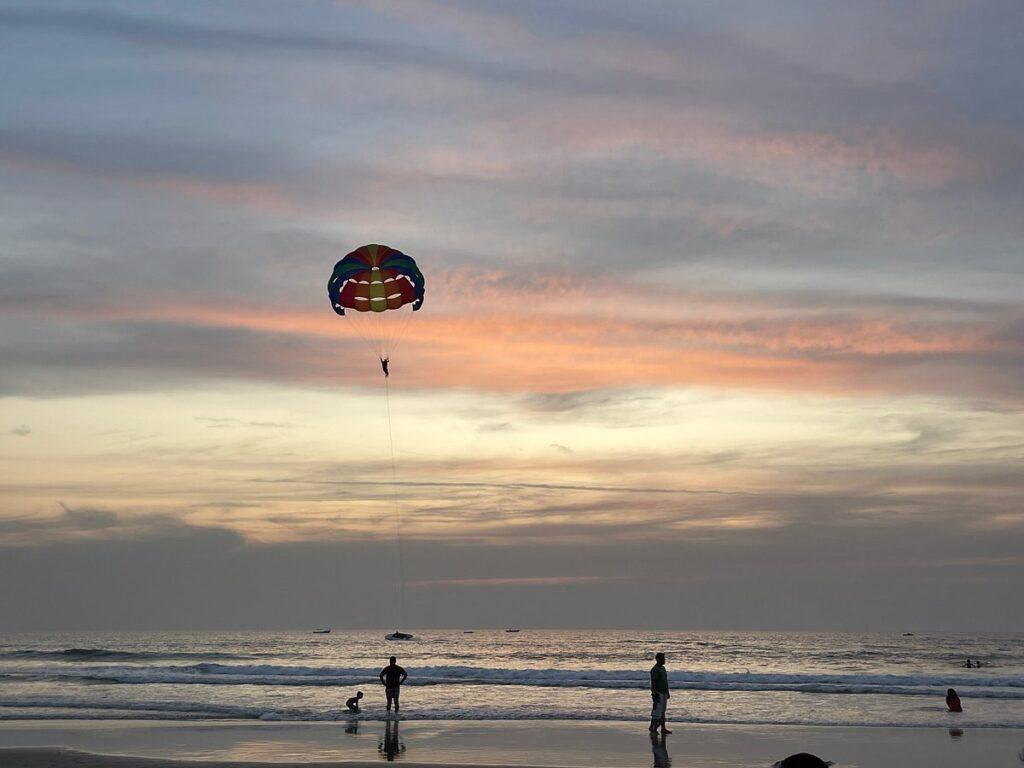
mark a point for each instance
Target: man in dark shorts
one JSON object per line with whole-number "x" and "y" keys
{"x": 392, "y": 677}
{"x": 659, "y": 694}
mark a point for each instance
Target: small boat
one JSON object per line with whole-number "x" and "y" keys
{"x": 467, "y": 631}
{"x": 908, "y": 634}
{"x": 396, "y": 635}
{"x": 511, "y": 629}
{"x": 321, "y": 631}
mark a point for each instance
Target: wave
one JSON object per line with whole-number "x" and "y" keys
{"x": 105, "y": 654}
{"x": 211, "y": 673}
{"x": 62, "y": 709}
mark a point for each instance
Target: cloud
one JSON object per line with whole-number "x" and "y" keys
{"x": 89, "y": 519}
{"x": 215, "y": 422}
{"x": 629, "y": 216}
{"x": 172, "y": 34}
{"x": 511, "y": 581}
{"x": 496, "y": 426}
{"x": 811, "y": 577}
{"x": 98, "y": 523}
{"x": 565, "y": 361}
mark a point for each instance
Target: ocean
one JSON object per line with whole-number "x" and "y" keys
{"x": 716, "y": 677}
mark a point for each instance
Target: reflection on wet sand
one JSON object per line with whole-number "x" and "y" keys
{"x": 956, "y": 734}
{"x": 660, "y": 751}
{"x": 390, "y": 746}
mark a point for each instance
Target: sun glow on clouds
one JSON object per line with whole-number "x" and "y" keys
{"x": 681, "y": 282}
{"x": 289, "y": 464}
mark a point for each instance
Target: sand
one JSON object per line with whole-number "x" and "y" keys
{"x": 220, "y": 744}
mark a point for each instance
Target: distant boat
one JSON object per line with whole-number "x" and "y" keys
{"x": 511, "y": 629}
{"x": 321, "y": 631}
{"x": 908, "y": 634}
{"x": 467, "y": 631}
{"x": 396, "y": 635}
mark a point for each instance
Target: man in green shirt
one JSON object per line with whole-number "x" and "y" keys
{"x": 659, "y": 694}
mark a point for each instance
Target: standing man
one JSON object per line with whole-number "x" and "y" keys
{"x": 392, "y": 677}
{"x": 659, "y": 694}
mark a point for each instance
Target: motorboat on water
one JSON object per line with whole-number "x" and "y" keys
{"x": 511, "y": 629}
{"x": 396, "y": 635}
{"x": 321, "y": 631}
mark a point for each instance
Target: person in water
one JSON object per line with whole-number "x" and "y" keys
{"x": 392, "y": 677}
{"x": 353, "y": 703}
{"x": 953, "y": 701}
{"x": 659, "y": 694}
{"x": 384, "y": 365}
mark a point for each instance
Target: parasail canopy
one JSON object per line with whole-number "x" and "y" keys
{"x": 375, "y": 278}
{"x": 382, "y": 287}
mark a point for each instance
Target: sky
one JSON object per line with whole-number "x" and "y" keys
{"x": 723, "y": 325}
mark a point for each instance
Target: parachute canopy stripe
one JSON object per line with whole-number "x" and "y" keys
{"x": 375, "y": 278}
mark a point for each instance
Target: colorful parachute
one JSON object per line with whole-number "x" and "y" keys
{"x": 383, "y": 287}
{"x": 375, "y": 278}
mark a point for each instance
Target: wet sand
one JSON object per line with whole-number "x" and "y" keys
{"x": 224, "y": 744}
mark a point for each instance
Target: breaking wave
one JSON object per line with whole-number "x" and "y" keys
{"x": 211, "y": 673}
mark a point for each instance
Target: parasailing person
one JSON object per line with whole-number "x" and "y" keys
{"x": 377, "y": 288}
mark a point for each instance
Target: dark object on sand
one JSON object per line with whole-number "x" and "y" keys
{"x": 803, "y": 760}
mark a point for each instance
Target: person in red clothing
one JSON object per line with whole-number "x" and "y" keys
{"x": 953, "y": 701}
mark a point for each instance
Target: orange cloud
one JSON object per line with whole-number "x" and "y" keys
{"x": 538, "y": 337}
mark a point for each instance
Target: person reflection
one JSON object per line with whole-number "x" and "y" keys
{"x": 352, "y": 725}
{"x": 390, "y": 746}
{"x": 956, "y": 734}
{"x": 660, "y": 751}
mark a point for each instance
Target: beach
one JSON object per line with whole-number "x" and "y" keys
{"x": 37, "y": 744}
{"x": 535, "y": 698}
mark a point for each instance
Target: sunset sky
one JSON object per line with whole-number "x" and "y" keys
{"x": 723, "y": 325}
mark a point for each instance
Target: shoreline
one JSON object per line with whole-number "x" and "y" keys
{"x": 518, "y": 744}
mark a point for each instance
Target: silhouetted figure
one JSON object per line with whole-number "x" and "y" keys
{"x": 390, "y": 746}
{"x": 803, "y": 760}
{"x": 392, "y": 677}
{"x": 659, "y": 694}
{"x": 953, "y": 701}
{"x": 660, "y": 751}
{"x": 967, "y": 664}
{"x": 384, "y": 366}
{"x": 353, "y": 703}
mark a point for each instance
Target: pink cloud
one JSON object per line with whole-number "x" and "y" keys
{"x": 566, "y": 334}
